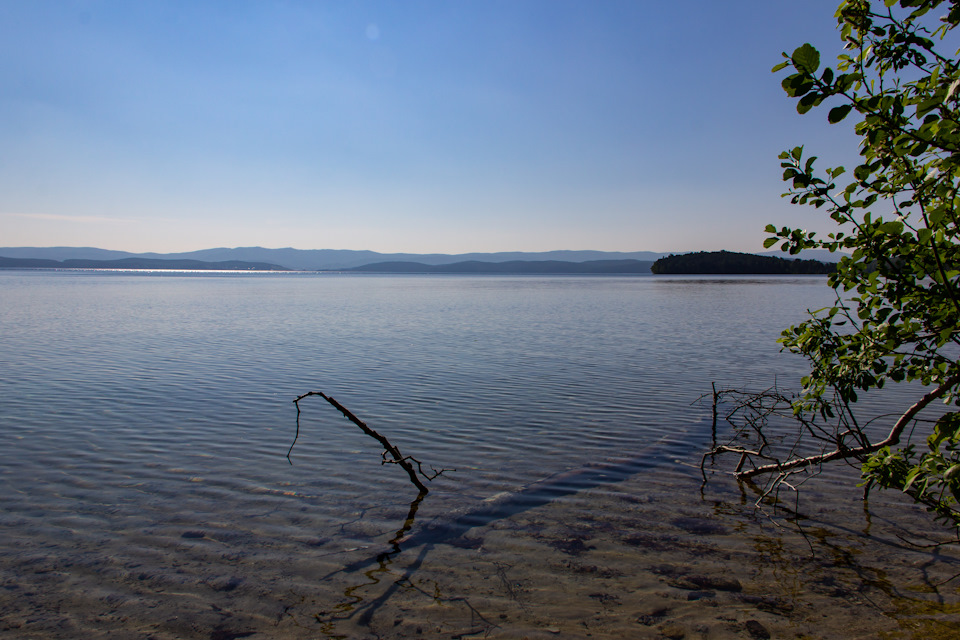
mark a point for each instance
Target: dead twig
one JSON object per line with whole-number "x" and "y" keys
{"x": 859, "y": 452}
{"x": 773, "y": 439}
{"x": 395, "y": 457}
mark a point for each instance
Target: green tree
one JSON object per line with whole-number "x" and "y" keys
{"x": 897, "y": 315}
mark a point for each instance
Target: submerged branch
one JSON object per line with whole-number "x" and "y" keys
{"x": 765, "y": 445}
{"x": 388, "y": 448}
{"x": 843, "y": 453}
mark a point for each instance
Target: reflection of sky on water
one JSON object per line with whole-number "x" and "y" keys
{"x": 146, "y": 421}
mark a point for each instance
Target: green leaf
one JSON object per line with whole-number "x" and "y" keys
{"x": 862, "y": 172}
{"x": 838, "y": 113}
{"x": 769, "y": 242}
{"x": 806, "y": 57}
{"x": 807, "y": 102}
{"x": 796, "y": 85}
{"x": 893, "y": 228}
{"x": 781, "y": 66}
{"x": 847, "y": 80}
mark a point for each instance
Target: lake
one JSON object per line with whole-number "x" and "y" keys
{"x": 145, "y": 420}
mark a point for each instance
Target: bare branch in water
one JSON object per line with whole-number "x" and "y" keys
{"x": 395, "y": 457}
{"x": 765, "y": 444}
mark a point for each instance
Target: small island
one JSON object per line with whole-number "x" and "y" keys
{"x": 733, "y": 263}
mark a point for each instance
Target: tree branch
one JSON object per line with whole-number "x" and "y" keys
{"x": 841, "y": 453}
{"x": 388, "y": 448}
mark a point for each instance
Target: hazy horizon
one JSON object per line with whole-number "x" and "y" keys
{"x": 230, "y": 248}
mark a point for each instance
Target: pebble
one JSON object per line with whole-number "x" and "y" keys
{"x": 757, "y": 630}
{"x": 225, "y": 583}
{"x": 673, "y": 631}
{"x": 769, "y": 604}
{"x": 652, "y": 618}
{"x": 699, "y": 526}
{"x": 701, "y": 582}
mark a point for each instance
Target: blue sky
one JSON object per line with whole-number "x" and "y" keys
{"x": 409, "y": 126}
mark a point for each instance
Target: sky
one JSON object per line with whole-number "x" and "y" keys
{"x": 415, "y": 126}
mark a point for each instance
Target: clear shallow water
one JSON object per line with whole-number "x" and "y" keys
{"x": 110, "y": 372}
{"x": 145, "y": 418}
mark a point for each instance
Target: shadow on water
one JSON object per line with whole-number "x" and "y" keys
{"x": 831, "y": 546}
{"x": 820, "y": 536}
{"x": 451, "y": 528}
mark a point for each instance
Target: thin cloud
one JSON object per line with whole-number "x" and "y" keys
{"x": 66, "y": 218}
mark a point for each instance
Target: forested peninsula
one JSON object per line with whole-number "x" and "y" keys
{"x": 732, "y": 263}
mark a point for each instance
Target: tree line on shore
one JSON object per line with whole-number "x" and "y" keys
{"x": 731, "y": 263}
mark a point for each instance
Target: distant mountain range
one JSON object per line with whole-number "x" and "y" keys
{"x": 317, "y": 259}
{"x": 136, "y": 263}
{"x": 337, "y": 259}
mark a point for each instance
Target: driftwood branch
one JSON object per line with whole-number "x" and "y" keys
{"x": 841, "y": 452}
{"x": 766, "y": 446}
{"x": 395, "y": 457}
